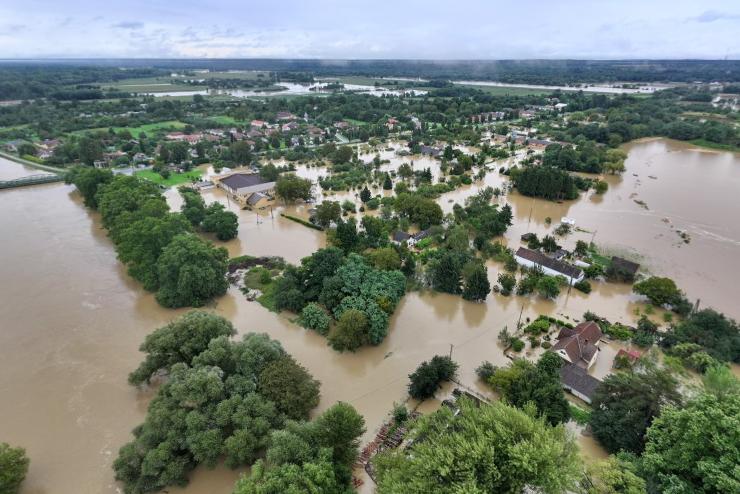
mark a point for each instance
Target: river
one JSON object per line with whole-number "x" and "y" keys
{"x": 73, "y": 320}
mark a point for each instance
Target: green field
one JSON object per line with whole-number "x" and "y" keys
{"x": 224, "y": 120}
{"x": 148, "y": 129}
{"x": 506, "y": 90}
{"x": 172, "y": 180}
{"x": 713, "y": 145}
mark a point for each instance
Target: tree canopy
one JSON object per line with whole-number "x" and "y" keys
{"x": 491, "y": 448}
{"x": 13, "y": 468}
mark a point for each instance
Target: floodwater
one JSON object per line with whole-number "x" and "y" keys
{"x": 586, "y": 88}
{"x": 289, "y": 89}
{"x": 73, "y": 320}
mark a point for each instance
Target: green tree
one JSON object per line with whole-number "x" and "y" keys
{"x": 269, "y": 172}
{"x": 626, "y": 403}
{"x": 191, "y": 272}
{"x": 476, "y": 286}
{"x": 387, "y": 182}
{"x": 291, "y": 188}
{"x": 224, "y": 224}
{"x": 491, "y": 448}
{"x": 713, "y": 331}
{"x": 426, "y": 379}
{"x": 313, "y": 316}
{"x": 507, "y": 282}
{"x": 241, "y": 152}
{"x": 180, "y": 341}
{"x": 89, "y": 150}
{"x": 193, "y": 206}
{"x": 289, "y": 385}
{"x": 660, "y": 291}
{"x": 548, "y": 286}
{"x": 13, "y": 468}
{"x": 385, "y": 258}
{"x": 87, "y": 181}
{"x": 142, "y": 242}
{"x": 612, "y": 476}
{"x": 350, "y": 332}
{"x": 365, "y": 194}
{"x": 328, "y": 212}
{"x": 695, "y": 447}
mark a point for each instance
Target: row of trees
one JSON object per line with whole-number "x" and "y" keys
{"x": 157, "y": 246}
{"x": 213, "y": 218}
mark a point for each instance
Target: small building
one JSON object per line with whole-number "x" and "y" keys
{"x": 289, "y": 127}
{"x": 257, "y": 200}
{"x": 342, "y": 125}
{"x": 399, "y": 237}
{"x": 285, "y": 115}
{"x": 430, "y": 151}
{"x": 560, "y": 254}
{"x": 578, "y": 382}
{"x": 553, "y": 267}
{"x": 579, "y": 345}
{"x": 418, "y": 237}
{"x": 257, "y": 124}
{"x": 630, "y": 356}
{"x": 623, "y": 269}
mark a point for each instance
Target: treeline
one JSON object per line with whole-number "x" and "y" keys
{"x": 158, "y": 247}
{"x": 232, "y": 401}
{"x": 547, "y": 182}
{"x": 21, "y": 81}
{"x": 555, "y": 72}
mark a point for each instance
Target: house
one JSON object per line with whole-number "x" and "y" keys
{"x": 430, "y": 151}
{"x": 579, "y": 345}
{"x": 539, "y": 143}
{"x": 578, "y": 382}
{"x": 285, "y": 115}
{"x": 418, "y": 237}
{"x": 342, "y": 125}
{"x": 553, "y": 267}
{"x": 289, "y": 127}
{"x": 399, "y": 237}
{"x": 559, "y": 254}
{"x": 258, "y": 124}
{"x": 623, "y": 269}
{"x": 630, "y": 356}
{"x": 391, "y": 123}
{"x": 12, "y": 146}
{"x": 258, "y": 200}
{"x": 254, "y": 134}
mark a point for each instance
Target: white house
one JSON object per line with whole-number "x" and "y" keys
{"x": 553, "y": 267}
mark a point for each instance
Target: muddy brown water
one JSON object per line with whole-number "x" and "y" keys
{"x": 72, "y": 320}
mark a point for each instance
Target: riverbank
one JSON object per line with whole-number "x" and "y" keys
{"x": 31, "y": 164}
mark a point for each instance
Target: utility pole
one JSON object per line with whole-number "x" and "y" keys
{"x": 519, "y": 322}
{"x": 451, "y": 346}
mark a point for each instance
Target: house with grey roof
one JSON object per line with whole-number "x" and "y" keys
{"x": 577, "y": 381}
{"x": 553, "y": 267}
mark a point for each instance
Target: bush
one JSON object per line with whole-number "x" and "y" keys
{"x": 619, "y": 332}
{"x": 313, "y": 316}
{"x": 13, "y": 468}
{"x": 517, "y": 345}
{"x": 427, "y": 377}
{"x": 583, "y": 286}
{"x": 485, "y": 370}
{"x": 351, "y": 331}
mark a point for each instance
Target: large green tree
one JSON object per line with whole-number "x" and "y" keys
{"x": 13, "y": 468}
{"x": 626, "y": 403}
{"x": 717, "y": 334}
{"x": 290, "y": 188}
{"x": 224, "y": 224}
{"x": 180, "y": 341}
{"x": 491, "y": 448}
{"x": 191, "y": 272}
{"x": 696, "y": 447}
{"x": 87, "y": 180}
{"x": 290, "y": 387}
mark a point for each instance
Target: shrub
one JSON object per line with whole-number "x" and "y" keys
{"x": 485, "y": 370}
{"x": 313, "y": 316}
{"x": 517, "y": 345}
{"x": 583, "y": 286}
{"x": 427, "y": 377}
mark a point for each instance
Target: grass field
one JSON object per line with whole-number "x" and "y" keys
{"x": 504, "y": 90}
{"x": 713, "y": 145}
{"x": 148, "y": 129}
{"x": 223, "y": 120}
{"x": 172, "y": 180}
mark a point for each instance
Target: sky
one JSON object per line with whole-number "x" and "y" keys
{"x": 360, "y": 29}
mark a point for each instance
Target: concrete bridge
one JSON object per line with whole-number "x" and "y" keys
{"x": 29, "y": 180}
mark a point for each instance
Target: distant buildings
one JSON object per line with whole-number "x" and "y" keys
{"x": 553, "y": 267}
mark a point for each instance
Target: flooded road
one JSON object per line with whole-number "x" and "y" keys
{"x": 72, "y": 320}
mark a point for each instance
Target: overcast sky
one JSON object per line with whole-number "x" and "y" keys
{"x": 442, "y": 29}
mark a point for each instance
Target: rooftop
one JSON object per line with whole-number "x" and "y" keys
{"x": 239, "y": 180}
{"x": 577, "y": 379}
{"x": 537, "y": 257}
{"x": 579, "y": 342}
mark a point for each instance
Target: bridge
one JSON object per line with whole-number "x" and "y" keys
{"x": 45, "y": 178}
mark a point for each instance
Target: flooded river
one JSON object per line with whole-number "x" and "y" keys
{"x": 72, "y": 320}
